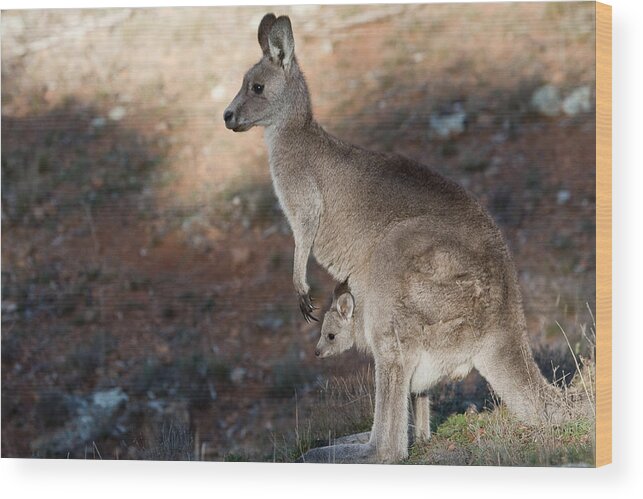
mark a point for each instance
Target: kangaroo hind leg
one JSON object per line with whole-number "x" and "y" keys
{"x": 421, "y": 417}
{"x": 509, "y": 367}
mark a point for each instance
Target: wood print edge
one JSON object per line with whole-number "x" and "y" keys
{"x": 603, "y": 234}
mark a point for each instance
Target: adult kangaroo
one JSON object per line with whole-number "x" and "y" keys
{"x": 426, "y": 263}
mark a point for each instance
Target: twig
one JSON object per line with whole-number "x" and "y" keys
{"x": 97, "y": 451}
{"x": 589, "y": 398}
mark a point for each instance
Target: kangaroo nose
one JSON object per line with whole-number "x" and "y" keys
{"x": 317, "y": 352}
{"x": 227, "y": 116}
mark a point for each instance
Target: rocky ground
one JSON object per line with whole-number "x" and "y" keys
{"x": 147, "y": 304}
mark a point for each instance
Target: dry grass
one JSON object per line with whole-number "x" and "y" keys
{"x": 344, "y": 406}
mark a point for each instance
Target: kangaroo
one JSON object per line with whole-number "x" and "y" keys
{"x": 433, "y": 274}
{"x": 338, "y": 335}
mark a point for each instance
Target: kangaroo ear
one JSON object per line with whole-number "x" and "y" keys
{"x": 281, "y": 42}
{"x": 264, "y": 30}
{"x": 345, "y": 306}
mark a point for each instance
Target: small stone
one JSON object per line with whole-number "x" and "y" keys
{"x": 117, "y": 113}
{"x": 58, "y": 240}
{"x": 237, "y": 375}
{"x": 562, "y": 196}
{"x": 9, "y": 307}
{"x": 578, "y": 101}
{"x": 109, "y": 399}
{"x": 98, "y": 122}
{"x": 271, "y": 322}
{"x": 212, "y": 392}
{"x": 546, "y": 100}
{"x": 449, "y": 123}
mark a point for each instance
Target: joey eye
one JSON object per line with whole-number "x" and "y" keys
{"x": 331, "y": 336}
{"x": 257, "y": 88}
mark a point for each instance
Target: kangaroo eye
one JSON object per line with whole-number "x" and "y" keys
{"x": 331, "y": 336}
{"x": 257, "y": 88}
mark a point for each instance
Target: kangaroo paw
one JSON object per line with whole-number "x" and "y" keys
{"x": 306, "y": 306}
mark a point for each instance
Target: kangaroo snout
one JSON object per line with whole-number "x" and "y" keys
{"x": 232, "y": 121}
{"x": 317, "y": 352}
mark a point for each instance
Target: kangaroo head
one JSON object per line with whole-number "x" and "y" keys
{"x": 273, "y": 91}
{"x": 337, "y": 328}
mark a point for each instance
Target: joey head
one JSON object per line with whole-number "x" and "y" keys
{"x": 337, "y": 330}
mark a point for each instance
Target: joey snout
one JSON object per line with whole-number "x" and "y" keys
{"x": 323, "y": 349}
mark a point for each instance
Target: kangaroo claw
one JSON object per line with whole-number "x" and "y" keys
{"x": 306, "y": 307}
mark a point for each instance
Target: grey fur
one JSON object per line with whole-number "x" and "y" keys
{"x": 341, "y": 322}
{"x": 429, "y": 267}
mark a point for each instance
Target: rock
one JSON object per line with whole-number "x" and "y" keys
{"x": 271, "y": 322}
{"x": 578, "y": 101}
{"x": 449, "y": 123}
{"x": 546, "y": 100}
{"x": 109, "y": 400}
{"x": 117, "y": 113}
{"x": 562, "y": 196}
{"x": 98, "y": 122}
{"x": 96, "y": 416}
{"x": 9, "y": 307}
{"x": 357, "y": 438}
{"x": 237, "y": 375}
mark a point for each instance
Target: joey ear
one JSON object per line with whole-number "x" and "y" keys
{"x": 281, "y": 42}
{"x": 264, "y": 30}
{"x": 345, "y": 305}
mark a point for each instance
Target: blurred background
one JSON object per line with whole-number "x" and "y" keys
{"x": 147, "y": 301}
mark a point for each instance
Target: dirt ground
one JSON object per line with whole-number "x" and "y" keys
{"x": 144, "y": 250}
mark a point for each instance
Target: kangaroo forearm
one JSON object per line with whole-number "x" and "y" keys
{"x": 304, "y": 220}
{"x": 300, "y": 267}
{"x": 305, "y": 223}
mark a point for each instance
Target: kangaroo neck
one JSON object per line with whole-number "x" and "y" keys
{"x": 289, "y": 143}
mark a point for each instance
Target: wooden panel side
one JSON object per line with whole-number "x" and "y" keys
{"x": 603, "y": 234}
